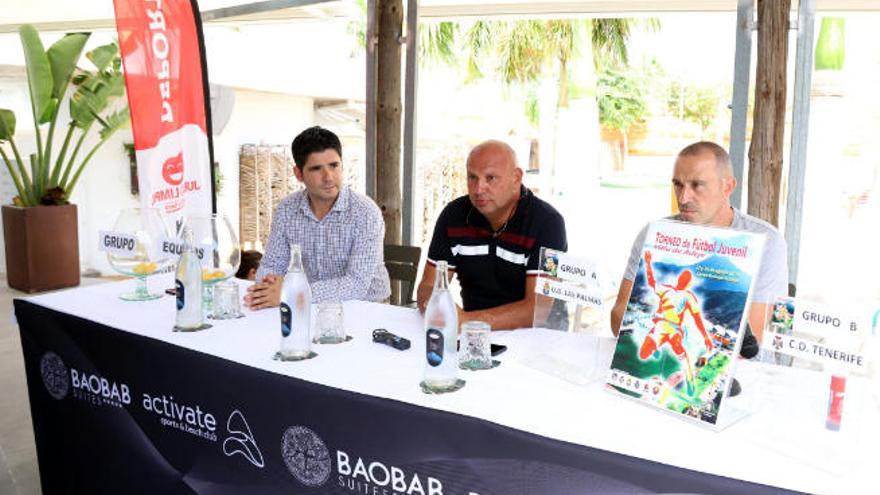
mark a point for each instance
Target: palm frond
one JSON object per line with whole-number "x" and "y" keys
{"x": 609, "y": 41}
{"x": 437, "y": 42}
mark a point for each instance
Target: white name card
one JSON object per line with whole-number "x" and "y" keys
{"x": 578, "y": 269}
{"x": 569, "y": 292}
{"x": 173, "y": 247}
{"x": 119, "y": 243}
{"x": 819, "y": 320}
{"x": 822, "y": 352}
{"x": 564, "y": 266}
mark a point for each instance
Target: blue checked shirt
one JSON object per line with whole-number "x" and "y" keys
{"x": 342, "y": 253}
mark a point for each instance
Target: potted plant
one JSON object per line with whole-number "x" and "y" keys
{"x": 40, "y": 227}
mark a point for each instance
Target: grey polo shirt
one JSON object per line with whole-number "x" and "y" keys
{"x": 772, "y": 277}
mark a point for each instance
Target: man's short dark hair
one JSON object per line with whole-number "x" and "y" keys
{"x": 249, "y": 260}
{"x": 313, "y": 140}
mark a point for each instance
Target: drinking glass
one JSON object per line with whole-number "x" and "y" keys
{"x": 226, "y": 303}
{"x": 217, "y": 245}
{"x": 329, "y": 323}
{"x": 476, "y": 346}
{"x": 149, "y": 228}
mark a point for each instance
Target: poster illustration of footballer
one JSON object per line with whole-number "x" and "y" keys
{"x": 684, "y": 320}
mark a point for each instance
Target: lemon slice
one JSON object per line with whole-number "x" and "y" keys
{"x": 144, "y": 268}
{"x": 209, "y": 275}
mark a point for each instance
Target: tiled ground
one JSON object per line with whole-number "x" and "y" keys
{"x": 19, "y": 474}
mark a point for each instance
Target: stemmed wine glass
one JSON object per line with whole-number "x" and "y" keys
{"x": 149, "y": 229}
{"x": 218, "y": 249}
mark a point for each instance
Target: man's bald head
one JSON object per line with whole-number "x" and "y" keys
{"x": 494, "y": 181}
{"x": 722, "y": 159}
{"x": 493, "y": 150}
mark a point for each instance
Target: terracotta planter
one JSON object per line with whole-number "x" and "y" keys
{"x": 42, "y": 247}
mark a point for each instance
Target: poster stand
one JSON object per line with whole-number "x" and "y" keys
{"x": 568, "y": 299}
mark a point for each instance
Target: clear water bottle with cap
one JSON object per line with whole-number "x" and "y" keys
{"x": 188, "y": 286}
{"x": 441, "y": 335}
{"x": 295, "y": 309}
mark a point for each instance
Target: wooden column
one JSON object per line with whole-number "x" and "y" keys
{"x": 388, "y": 115}
{"x": 768, "y": 130}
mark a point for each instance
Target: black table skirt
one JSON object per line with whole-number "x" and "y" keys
{"x": 115, "y": 412}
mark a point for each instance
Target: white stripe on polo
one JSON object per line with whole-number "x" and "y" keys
{"x": 515, "y": 258}
{"x": 481, "y": 250}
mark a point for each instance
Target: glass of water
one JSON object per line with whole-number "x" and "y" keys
{"x": 226, "y": 303}
{"x": 476, "y": 346}
{"x": 330, "y": 329}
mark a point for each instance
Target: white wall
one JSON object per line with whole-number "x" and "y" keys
{"x": 257, "y": 117}
{"x": 102, "y": 192}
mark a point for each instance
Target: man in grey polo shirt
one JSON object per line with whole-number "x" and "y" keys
{"x": 340, "y": 231}
{"x": 703, "y": 181}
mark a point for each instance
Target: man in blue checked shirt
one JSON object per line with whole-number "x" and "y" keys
{"x": 340, "y": 231}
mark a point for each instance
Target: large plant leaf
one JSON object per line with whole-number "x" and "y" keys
{"x": 82, "y": 103}
{"x": 95, "y": 90}
{"x": 63, "y": 56}
{"x": 103, "y": 55}
{"x": 7, "y": 124}
{"x": 88, "y": 100}
{"x": 115, "y": 121}
{"x": 116, "y": 84}
{"x": 38, "y": 69}
{"x": 92, "y": 98}
{"x": 49, "y": 111}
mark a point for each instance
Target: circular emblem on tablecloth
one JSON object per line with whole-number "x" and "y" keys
{"x": 54, "y": 374}
{"x": 306, "y": 456}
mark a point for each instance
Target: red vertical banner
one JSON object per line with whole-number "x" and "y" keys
{"x": 166, "y": 80}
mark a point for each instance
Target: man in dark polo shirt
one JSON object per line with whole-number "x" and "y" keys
{"x": 491, "y": 239}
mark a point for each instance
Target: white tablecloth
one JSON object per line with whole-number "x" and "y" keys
{"x": 518, "y": 395}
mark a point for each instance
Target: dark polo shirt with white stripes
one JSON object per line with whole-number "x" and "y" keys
{"x": 492, "y": 266}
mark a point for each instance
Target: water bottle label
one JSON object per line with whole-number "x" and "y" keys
{"x": 179, "y": 294}
{"x": 434, "y": 346}
{"x": 286, "y": 316}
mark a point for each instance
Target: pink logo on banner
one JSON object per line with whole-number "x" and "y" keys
{"x": 172, "y": 169}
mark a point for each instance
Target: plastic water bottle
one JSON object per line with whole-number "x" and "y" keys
{"x": 295, "y": 308}
{"x": 441, "y": 334}
{"x": 188, "y": 286}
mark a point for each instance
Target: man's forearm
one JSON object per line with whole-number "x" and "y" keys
{"x": 423, "y": 293}
{"x": 620, "y": 305}
{"x": 757, "y": 319}
{"x": 510, "y": 316}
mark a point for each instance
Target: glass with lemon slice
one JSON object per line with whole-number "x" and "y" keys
{"x": 148, "y": 227}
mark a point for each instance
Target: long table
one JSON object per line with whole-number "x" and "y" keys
{"x": 121, "y": 404}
